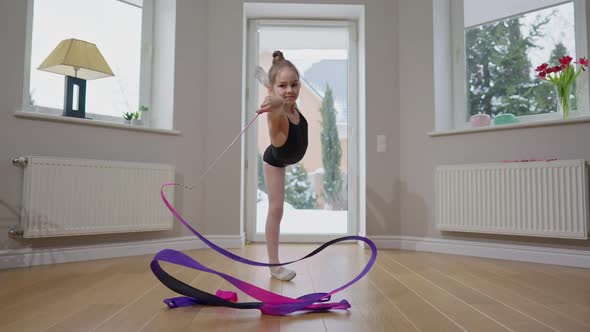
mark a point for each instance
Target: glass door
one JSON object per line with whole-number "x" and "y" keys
{"x": 320, "y": 191}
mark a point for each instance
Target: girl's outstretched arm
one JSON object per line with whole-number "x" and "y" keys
{"x": 273, "y": 106}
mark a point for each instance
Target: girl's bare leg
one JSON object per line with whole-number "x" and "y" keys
{"x": 275, "y": 186}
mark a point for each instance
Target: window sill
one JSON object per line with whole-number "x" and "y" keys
{"x": 92, "y": 122}
{"x": 531, "y": 124}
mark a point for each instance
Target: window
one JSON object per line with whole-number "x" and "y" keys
{"x": 122, "y": 32}
{"x": 497, "y": 47}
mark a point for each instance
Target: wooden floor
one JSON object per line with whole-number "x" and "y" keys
{"x": 405, "y": 291}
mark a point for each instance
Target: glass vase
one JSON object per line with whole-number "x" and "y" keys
{"x": 563, "y": 100}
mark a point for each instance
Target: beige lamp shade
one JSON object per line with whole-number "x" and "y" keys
{"x": 77, "y": 58}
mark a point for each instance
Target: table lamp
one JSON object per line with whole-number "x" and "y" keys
{"x": 79, "y": 61}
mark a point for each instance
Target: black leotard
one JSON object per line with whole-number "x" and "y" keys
{"x": 294, "y": 148}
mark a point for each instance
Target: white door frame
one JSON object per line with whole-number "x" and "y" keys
{"x": 250, "y": 148}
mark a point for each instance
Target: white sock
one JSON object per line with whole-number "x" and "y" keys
{"x": 282, "y": 273}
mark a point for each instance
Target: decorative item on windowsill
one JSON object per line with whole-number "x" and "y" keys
{"x": 79, "y": 61}
{"x": 128, "y": 116}
{"x": 562, "y": 77}
{"x": 505, "y": 118}
{"x": 479, "y": 120}
{"x": 138, "y": 117}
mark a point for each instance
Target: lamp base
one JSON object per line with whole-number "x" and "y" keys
{"x": 75, "y": 97}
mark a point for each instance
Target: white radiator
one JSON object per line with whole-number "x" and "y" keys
{"x": 75, "y": 197}
{"x": 547, "y": 199}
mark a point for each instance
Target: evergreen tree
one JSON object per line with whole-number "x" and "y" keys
{"x": 298, "y": 190}
{"x": 498, "y": 68}
{"x": 331, "y": 151}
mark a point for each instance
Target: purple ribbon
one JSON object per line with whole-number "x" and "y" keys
{"x": 271, "y": 303}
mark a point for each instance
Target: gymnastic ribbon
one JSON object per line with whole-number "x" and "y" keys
{"x": 270, "y": 303}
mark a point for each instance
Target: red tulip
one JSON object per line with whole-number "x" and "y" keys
{"x": 563, "y": 73}
{"x": 566, "y": 60}
{"x": 543, "y": 67}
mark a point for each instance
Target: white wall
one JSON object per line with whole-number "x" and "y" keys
{"x": 21, "y": 137}
{"x": 207, "y": 106}
{"x": 420, "y": 154}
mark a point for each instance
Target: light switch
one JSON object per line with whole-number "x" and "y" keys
{"x": 381, "y": 143}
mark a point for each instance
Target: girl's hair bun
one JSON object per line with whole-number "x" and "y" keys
{"x": 277, "y": 56}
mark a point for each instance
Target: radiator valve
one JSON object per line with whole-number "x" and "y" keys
{"x": 20, "y": 162}
{"x": 15, "y": 233}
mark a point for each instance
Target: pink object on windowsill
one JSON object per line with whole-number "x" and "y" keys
{"x": 479, "y": 120}
{"x": 528, "y": 160}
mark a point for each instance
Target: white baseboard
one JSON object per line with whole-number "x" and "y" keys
{"x": 526, "y": 253}
{"x": 31, "y": 257}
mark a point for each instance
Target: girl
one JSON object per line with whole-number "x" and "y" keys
{"x": 288, "y": 142}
